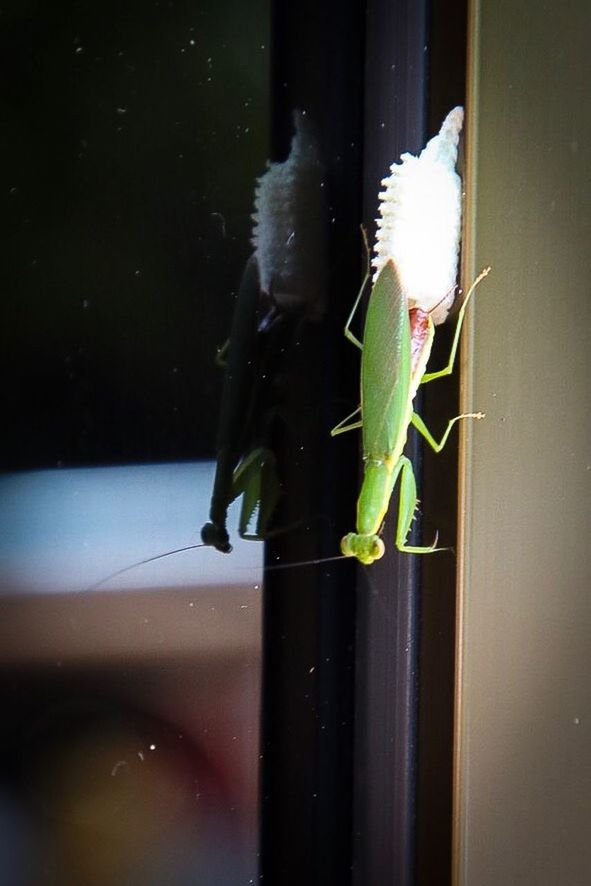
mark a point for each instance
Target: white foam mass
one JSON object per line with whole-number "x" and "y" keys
{"x": 420, "y": 221}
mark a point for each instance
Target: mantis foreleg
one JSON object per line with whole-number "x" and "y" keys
{"x": 256, "y": 480}
{"x": 407, "y": 508}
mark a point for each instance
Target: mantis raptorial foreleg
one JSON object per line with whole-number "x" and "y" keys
{"x": 421, "y": 427}
{"x": 407, "y": 507}
{"x": 448, "y": 369}
{"x": 256, "y": 480}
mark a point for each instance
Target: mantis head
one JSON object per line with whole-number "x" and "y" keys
{"x": 366, "y": 548}
{"x": 216, "y": 537}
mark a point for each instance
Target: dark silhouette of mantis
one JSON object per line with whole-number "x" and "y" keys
{"x": 282, "y": 287}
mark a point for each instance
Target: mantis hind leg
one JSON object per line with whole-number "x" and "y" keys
{"x": 447, "y": 370}
{"x": 348, "y": 334}
{"x": 406, "y": 510}
{"x": 422, "y": 428}
{"x": 342, "y": 427}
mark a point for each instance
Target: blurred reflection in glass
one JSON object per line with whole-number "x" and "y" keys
{"x": 130, "y": 753}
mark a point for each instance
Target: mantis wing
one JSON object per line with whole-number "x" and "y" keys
{"x": 385, "y": 366}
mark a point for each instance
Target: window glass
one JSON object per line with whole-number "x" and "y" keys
{"x": 133, "y": 137}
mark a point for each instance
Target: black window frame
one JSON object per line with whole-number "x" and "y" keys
{"x": 357, "y": 763}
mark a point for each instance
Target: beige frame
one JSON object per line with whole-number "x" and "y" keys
{"x": 522, "y": 780}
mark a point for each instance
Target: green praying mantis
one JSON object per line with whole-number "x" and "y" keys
{"x": 416, "y": 257}
{"x": 396, "y": 347}
{"x": 395, "y": 351}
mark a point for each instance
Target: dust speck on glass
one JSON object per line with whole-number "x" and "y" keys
{"x": 135, "y": 149}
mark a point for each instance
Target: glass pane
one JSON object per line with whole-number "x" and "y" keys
{"x": 134, "y": 134}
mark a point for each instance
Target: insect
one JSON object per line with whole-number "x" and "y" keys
{"x": 394, "y": 354}
{"x": 282, "y": 288}
{"x": 415, "y": 264}
{"x": 416, "y": 259}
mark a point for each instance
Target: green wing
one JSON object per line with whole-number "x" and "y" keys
{"x": 385, "y": 364}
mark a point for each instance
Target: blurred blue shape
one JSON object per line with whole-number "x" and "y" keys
{"x": 65, "y": 530}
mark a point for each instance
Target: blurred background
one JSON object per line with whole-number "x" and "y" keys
{"x": 132, "y": 137}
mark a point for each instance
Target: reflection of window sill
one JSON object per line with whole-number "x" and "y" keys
{"x": 111, "y": 626}
{"x": 63, "y": 530}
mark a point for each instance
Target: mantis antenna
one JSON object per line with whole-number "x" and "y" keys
{"x": 131, "y": 566}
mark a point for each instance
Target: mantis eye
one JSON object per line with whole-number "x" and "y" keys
{"x": 377, "y": 548}
{"x": 348, "y": 545}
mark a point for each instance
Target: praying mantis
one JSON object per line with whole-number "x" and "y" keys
{"x": 416, "y": 260}
{"x": 396, "y": 347}
{"x": 395, "y": 351}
